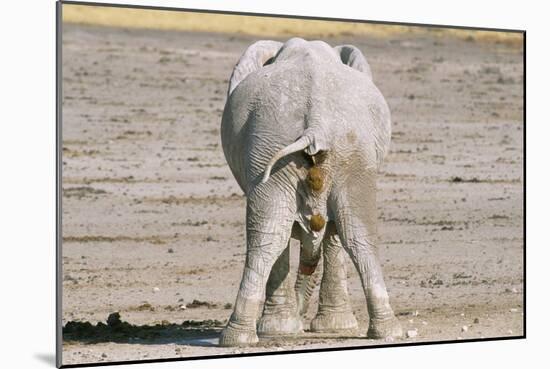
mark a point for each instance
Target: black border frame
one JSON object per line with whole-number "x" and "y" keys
{"x": 58, "y": 185}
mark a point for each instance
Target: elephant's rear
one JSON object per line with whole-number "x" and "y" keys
{"x": 304, "y": 92}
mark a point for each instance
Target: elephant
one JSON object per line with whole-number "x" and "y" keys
{"x": 304, "y": 131}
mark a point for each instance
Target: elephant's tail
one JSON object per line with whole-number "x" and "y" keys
{"x": 298, "y": 145}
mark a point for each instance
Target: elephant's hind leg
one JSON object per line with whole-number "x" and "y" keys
{"x": 355, "y": 211}
{"x": 334, "y": 314}
{"x": 269, "y": 221}
{"x": 280, "y": 316}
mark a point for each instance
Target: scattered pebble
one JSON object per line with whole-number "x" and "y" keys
{"x": 113, "y": 319}
{"x": 156, "y": 289}
{"x": 513, "y": 310}
{"x": 412, "y": 333}
{"x": 183, "y": 307}
{"x": 464, "y": 328}
{"x": 103, "y": 355}
{"x": 170, "y": 251}
{"x": 476, "y": 321}
{"x": 424, "y": 322}
{"x": 514, "y": 290}
{"x": 510, "y": 331}
{"x": 389, "y": 339}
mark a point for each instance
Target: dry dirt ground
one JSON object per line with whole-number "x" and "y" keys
{"x": 153, "y": 219}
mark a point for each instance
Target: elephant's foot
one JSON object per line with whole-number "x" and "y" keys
{"x": 384, "y": 328}
{"x": 334, "y": 322}
{"x": 285, "y": 323}
{"x": 233, "y": 336}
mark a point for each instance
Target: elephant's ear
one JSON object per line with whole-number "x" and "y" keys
{"x": 353, "y": 57}
{"x": 256, "y": 56}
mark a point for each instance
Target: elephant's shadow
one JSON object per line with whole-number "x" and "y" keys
{"x": 190, "y": 333}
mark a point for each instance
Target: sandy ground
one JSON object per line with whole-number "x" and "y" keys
{"x": 153, "y": 219}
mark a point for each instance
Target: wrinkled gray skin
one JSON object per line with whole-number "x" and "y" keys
{"x": 292, "y": 107}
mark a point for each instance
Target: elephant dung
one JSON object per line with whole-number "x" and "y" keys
{"x": 315, "y": 179}
{"x": 316, "y": 222}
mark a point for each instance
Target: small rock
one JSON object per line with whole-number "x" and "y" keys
{"x": 412, "y": 333}
{"x": 170, "y": 251}
{"x": 476, "y": 321}
{"x": 113, "y": 319}
{"x": 156, "y": 289}
{"x": 424, "y": 323}
{"x": 389, "y": 339}
{"x": 513, "y": 310}
{"x": 510, "y": 331}
{"x": 415, "y": 313}
{"x": 464, "y": 328}
{"x": 103, "y": 355}
{"x": 514, "y": 290}
{"x": 183, "y": 307}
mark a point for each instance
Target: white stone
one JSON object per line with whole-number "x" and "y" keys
{"x": 412, "y": 333}
{"x": 464, "y": 328}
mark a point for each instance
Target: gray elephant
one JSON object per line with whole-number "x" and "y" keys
{"x": 304, "y": 131}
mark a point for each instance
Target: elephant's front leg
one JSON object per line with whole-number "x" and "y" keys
{"x": 334, "y": 314}
{"x": 280, "y": 315}
{"x": 269, "y": 221}
{"x": 355, "y": 211}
